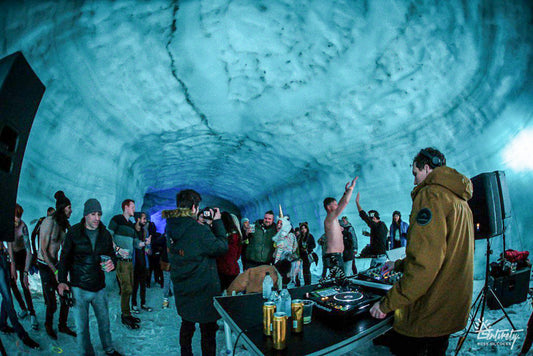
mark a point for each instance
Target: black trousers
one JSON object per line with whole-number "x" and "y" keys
{"x": 401, "y": 345}
{"x": 208, "y": 338}
{"x": 306, "y": 268}
{"x": 155, "y": 267}
{"x": 529, "y": 336}
{"x": 140, "y": 273}
{"x": 49, "y": 284}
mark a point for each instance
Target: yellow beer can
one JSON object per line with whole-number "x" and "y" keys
{"x": 297, "y": 311}
{"x": 268, "y": 316}
{"x": 279, "y": 331}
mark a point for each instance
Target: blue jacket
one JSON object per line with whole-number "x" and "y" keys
{"x": 403, "y": 235}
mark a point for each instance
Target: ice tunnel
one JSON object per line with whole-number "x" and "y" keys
{"x": 260, "y": 103}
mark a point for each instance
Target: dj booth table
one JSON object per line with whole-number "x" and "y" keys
{"x": 243, "y": 315}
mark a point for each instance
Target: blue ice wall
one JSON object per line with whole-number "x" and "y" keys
{"x": 278, "y": 102}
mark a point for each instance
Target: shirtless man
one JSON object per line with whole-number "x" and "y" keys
{"x": 20, "y": 256}
{"x": 51, "y": 235}
{"x": 335, "y": 246}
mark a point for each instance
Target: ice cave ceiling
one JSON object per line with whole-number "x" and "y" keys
{"x": 260, "y": 103}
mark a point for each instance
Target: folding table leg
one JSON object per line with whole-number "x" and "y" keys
{"x": 229, "y": 340}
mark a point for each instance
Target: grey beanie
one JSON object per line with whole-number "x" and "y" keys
{"x": 91, "y": 206}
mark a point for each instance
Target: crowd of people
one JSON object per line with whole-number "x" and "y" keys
{"x": 206, "y": 252}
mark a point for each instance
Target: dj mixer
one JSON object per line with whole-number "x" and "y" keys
{"x": 343, "y": 299}
{"x": 375, "y": 275}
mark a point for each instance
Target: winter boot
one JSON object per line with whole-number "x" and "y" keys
{"x": 129, "y": 322}
{"x": 50, "y": 331}
{"x": 28, "y": 341}
{"x": 66, "y": 330}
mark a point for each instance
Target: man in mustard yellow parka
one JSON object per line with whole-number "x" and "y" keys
{"x": 432, "y": 299}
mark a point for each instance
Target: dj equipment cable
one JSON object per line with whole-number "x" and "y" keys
{"x": 237, "y": 340}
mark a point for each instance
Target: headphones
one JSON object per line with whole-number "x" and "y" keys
{"x": 434, "y": 161}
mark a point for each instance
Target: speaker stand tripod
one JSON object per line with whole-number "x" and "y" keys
{"x": 480, "y": 302}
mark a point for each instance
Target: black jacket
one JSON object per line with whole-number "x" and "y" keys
{"x": 378, "y": 235}
{"x": 192, "y": 251}
{"x": 306, "y": 245}
{"x": 82, "y": 262}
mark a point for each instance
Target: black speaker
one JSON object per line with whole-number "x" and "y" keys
{"x": 490, "y": 204}
{"x": 510, "y": 289}
{"x": 21, "y": 92}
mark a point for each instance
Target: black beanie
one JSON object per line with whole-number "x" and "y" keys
{"x": 61, "y": 200}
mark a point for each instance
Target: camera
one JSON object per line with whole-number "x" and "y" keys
{"x": 68, "y": 299}
{"x": 206, "y": 213}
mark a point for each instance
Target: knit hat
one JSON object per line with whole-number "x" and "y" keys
{"x": 91, "y": 206}
{"x": 243, "y": 220}
{"x": 61, "y": 200}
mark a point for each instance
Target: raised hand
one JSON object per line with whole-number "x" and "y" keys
{"x": 350, "y": 186}
{"x": 217, "y": 214}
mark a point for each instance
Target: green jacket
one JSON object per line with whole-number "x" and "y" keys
{"x": 261, "y": 247}
{"x": 434, "y": 295}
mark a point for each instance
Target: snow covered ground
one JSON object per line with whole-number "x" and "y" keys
{"x": 158, "y": 334}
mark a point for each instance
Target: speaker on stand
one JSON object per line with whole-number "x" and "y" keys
{"x": 21, "y": 92}
{"x": 490, "y": 206}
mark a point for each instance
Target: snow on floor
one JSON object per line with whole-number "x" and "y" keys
{"x": 158, "y": 334}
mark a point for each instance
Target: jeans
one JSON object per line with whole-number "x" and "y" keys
{"x": 125, "y": 279}
{"x": 7, "y": 308}
{"x": 167, "y": 284}
{"x": 20, "y": 261}
{"x": 208, "y": 338}
{"x": 98, "y": 300}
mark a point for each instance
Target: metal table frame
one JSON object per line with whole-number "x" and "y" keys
{"x": 235, "y": 327}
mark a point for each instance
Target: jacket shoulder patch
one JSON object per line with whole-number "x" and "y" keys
{"x": 423, "y": 217}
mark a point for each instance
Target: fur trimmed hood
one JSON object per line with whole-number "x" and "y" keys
{"x": 177, "y": 213}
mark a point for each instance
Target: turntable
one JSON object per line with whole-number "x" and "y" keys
{"x": 343, "y": 299}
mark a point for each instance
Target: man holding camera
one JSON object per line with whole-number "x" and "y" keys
{"x": 439, "y": 255}
{"x": 193, "y": 249}
{"x": 205, "y": 217}
{"x": 86, "y": 254}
